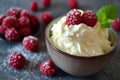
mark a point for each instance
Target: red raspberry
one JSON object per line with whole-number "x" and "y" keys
{"x": 73, "y": 17}
{"x": 14, "y": 11}
{"x": 73, "y": 4}
{"x": 116, "y": 24}
{"x": 12, "y": 35}
{"x": 17, "y": 60}
{"x": 23, "y": 21}
{"x": 25, "y": 31}
{"x": 31, "y": 43}
{"x": 2, "y": 16}
{"x": 89, "y": 18}
{"x": 25, "y": 13}
{"x": 2, "y": 29}
{"x": 46, "y": 3}
{"x": 10, "y": 21}
{"x": 34, "y": 6}
{"x": 46, "y": 17}
{"x": 34, "y": 20}
{"x": 47, "y": 67}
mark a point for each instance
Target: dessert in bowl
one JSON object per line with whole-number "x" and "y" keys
{"x": 80, "y": 48}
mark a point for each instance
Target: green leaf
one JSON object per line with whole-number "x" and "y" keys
{"x": 101, "y": 14}
{"x": 106, "y": 15}
{"x": 107, "y": 23}
{"x": 110, "y": 20}
{"x": 111, "y": 11}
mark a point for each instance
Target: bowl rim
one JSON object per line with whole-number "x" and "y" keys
{"x": 75, "y": 56}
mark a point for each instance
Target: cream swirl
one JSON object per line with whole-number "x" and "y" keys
{"x": 80, "y": 40}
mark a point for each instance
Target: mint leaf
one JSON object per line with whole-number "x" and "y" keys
{"x": 106, "y": 15}
{"x": 111, "y": 11}
{"x": 101, "y": 14}
{"x": 106, "y": 24}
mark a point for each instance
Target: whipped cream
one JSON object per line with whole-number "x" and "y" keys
{"x": 80, "y": 40}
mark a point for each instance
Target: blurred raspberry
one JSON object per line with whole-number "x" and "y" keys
{"x": 34, "y": 6}
{"x": 24, "y": 31}
{"x": 10, "y": 21}
{"x": 116, "y": 24}
{"x": 24, "y": 21}
{"x": 73, "y": 17}
{"x": 2, "y": 16}
{"x": 46, "y": 17}
{"x": 34, "y": 20}
{"x": 25, "y": 13}
{"x": 73, "y": 4}
{"x": 31, "y": 43}
{"x": 17, "y": 60}
{"x": 2, "y": 29}
{"x": 14, "y": 11}
{"x": 47, "y": 67}
{"x": 89, "y": 18}
{"x": 46, "y": 3}
{"x": 12, "y": 35}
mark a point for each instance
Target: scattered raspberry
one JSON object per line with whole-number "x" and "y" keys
{"x": 46, "y": 17}
{"x": 10, "y": 21}
{"x": 89, "y": 18}
{"x": 14, "y": 11}
{"x": 73, "y": 17}
{"x": 31, "y": 43}
{"x": 34, "y": 6}
{"x": 25, "y": 13}
{"x": 116, "y": 24}
{"x": 34, "y": 20}
{"x": 47, "y": 67}
{"x": 2, "y": 16}
{"x": 25, "y": 31}
{"x": 2, "y": 29}
{"x": 17, "y": 60}
{"x": 23, "y": 21}
{"x": 46, "y": 3}
{"x": 12, "y": 35}
{"x": 73, "y": 4}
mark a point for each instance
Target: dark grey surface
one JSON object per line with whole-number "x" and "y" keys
{"x": 31, "y": 69}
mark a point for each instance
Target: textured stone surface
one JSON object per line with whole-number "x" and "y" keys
{"x": 31, "y": 69}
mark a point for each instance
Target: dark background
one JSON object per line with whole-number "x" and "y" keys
{"x": 31, "y": 69}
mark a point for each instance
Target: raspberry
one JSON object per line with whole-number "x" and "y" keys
{"x": 46, "y": 17}
{"x": 10, "y": 21}
{"x": 25, "y": 31}
{"x": 34, "y": 6}
{"x": 73, "y": 17}
{"x": 23, "y": 21}
{"x": 31, "y": 43}
{"x": 116, "y": 24}
{"x": 14, "y": 11}
{"x": 89, "y": 18}
{"x": 34, "y": 24}
{"x": 12, "y": 35}
{"x": 17, "y": 60}
{"x": 73, "y": 4}
{"x": 2, "y": 29}
{"x": 47, "y": 67}
{"x": 46, "y": 3}
{"x": 2, "y": 16}
{"x": 25, "y": 13}
{"x": 34, "y": 20}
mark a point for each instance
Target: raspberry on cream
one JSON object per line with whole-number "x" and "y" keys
{"x": 80, "y": 39}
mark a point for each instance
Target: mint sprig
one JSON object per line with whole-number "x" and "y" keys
{"x": 107, "y": 14}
